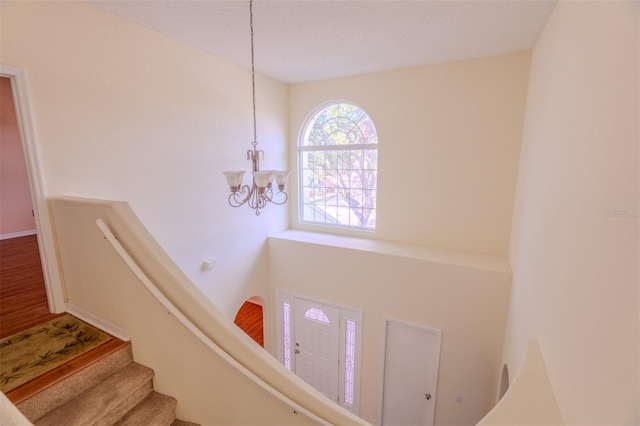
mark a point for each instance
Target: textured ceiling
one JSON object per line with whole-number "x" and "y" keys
{"x": 306, "y": 40}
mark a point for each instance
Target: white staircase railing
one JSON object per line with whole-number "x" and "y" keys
{"x": 117, "y": 272}
{"x": 188, "y": 324}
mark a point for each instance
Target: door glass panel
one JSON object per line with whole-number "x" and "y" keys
{"x": 317, "y": 315}
{"x": 350, "y": 362}
{"x": 286, "y": 334}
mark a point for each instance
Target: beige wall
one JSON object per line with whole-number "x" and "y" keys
{"x": 452, "y": 131}
{"x": 449, "y": 140}
{"x": 464, "y": 296}
{"x": 574, "y": 246}
{"x": 121, "y": 112}
{"x": 15, "y": 195}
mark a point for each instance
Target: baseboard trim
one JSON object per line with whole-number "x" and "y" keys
{"x": 18, "y": 234}
{"x": 97, "y": 322}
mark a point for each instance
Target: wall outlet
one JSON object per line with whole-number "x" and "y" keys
{"x": 459, "y": 399}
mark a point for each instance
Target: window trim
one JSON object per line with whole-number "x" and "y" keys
{"x": 324, "y": 226}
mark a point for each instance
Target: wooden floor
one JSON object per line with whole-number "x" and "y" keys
{"x": 23, "y": 299}
{"x": 250, "y": 319}
{"x": 23, "y": 304}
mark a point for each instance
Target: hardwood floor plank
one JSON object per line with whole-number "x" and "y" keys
{"x": 23, "y": 299}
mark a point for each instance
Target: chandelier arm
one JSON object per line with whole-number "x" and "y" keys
{"x": 252, "y": 202}
{"x": 267, "y": 194}
{"x": 270, "y": 197}
{"x": 279, "y": 194}
{"x": 257, "y": 202}
{"x": 238, "y": 198}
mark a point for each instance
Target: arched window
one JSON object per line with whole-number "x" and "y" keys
{"x": 339, "y": 167}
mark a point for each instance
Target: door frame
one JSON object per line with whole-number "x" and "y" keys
{"x": 346, "y": 314}
{"x": 44, "y": 228}
{"x": 438, "y": 332}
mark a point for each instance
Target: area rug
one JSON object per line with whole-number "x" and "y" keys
{"x": 44, "y": 347}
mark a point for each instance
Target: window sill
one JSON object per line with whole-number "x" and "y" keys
{"x": 450, "y": 257}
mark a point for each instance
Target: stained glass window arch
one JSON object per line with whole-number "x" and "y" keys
{"x": 338, "y": 167}
{"x": 317, "y": 315}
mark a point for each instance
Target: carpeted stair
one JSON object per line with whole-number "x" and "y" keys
{"x": 112, "y": 391}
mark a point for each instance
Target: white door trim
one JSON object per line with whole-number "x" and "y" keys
{"x": 385, "y": 322}
{"x": 346, "y": 314}
{"x": 46, "y": 241}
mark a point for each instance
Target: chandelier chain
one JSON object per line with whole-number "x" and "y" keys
{"x": 262, "y": 189}
{"x": 253, "y": 76}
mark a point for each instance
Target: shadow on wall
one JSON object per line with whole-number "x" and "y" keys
{"x": 504, "y": 382}
{"x": 250, "y": 319}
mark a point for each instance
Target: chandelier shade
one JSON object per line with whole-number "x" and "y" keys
{"x": 234, "y": 180}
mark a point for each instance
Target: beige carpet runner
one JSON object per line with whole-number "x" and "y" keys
{"x": 44, "y": 347}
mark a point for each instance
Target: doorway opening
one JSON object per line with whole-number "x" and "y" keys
{"x": 250, "y": 318}
{"x": 40, "y": 212}
{"x": 23, "y": 295}
{"x": 16, "y": 207}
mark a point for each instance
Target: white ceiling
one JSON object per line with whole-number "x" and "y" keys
{"x": 306, "y": 40}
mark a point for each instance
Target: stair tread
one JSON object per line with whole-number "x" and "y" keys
{"x": 61, "y": 392}
{"x": 116, "y": 392}
{"x": 156, "y": 409}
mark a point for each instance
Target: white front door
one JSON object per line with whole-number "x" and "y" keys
{"x": 317, "y": 345}
{"x": 412, "y": 356}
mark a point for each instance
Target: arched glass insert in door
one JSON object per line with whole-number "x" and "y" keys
{"x": 317, "y": 315}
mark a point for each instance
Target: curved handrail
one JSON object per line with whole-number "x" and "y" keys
{"x": 180, "y": 297}
{"x": 188, "y": 324}
{"x": 530, "y": 399}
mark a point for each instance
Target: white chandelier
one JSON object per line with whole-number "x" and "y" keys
{"x": 261, "y": 190}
